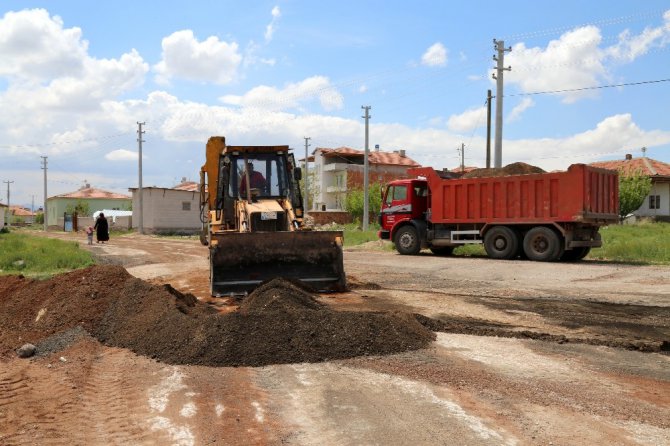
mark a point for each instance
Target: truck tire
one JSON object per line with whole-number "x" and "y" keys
{"x": 501, "y": 242}
{"x": 542, "y": 244}
{"x": 575, "y": 254}
{"x": 407, "y": 241}
{"x": 442, "y": 250}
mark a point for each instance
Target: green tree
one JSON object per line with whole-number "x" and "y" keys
{"x": 633, "y": 188}
{"x": 314, "y": 189}
{"x": 81, "y": 207}
{"x": 355, "y": 199}
{"x": 39, "y": 218}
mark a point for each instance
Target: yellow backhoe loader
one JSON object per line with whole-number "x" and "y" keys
{"x": 252, "y": 215}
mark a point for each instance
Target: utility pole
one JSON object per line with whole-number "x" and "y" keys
{"x": 32, "y": 204}
{"x": 9, "y": 222}
{"x": 498, "y": 76}
{"x": 140, "y": 223}
{"x": 488, "y": 130}
{"x": 366, "y": 201}
{"x": 306, "y": 176}
{"x": 462, "y": 151}
{"x": 45, "y": 214}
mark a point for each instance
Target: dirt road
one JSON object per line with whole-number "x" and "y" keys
{"x": 526, "y": 353}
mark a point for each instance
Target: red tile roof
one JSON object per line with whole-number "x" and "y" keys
{"x": 387, "y": 158}
{"x": 190, "y": 186}
{"x": 20, "y": 212}
{"x": 91, "y": 192}
{"x": 646, "y": 166}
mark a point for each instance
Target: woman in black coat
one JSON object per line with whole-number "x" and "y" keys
{"x": 101, "y": 228}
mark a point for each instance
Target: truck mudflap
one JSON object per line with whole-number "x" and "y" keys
{"x": 241, "y": 261}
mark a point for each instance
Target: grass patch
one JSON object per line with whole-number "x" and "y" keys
{"x": 354, "y": 236}
{"x": 638, "y": 243}
{"x": 40, "y": 257}
{"x": 470, "y": 250}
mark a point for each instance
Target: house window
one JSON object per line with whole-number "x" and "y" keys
{"x": 654, "y": 202}
{"x": 185, "y": 205}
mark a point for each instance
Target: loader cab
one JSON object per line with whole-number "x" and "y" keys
{"x": 268, "y": 175}
{"x": 272, "y": 177}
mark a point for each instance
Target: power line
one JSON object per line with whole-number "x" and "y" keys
{"x": 100, "y": 138}
{"x": 597, "y": 87}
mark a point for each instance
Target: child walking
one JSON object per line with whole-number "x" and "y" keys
{"x": 89, "y": 235}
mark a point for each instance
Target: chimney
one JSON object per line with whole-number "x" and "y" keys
{"x": 629, "y": 157}
{"x": 376, "y": 147}
{"x": 402, "y": 153}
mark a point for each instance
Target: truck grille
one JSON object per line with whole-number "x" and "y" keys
{"x": 260, "y": 225}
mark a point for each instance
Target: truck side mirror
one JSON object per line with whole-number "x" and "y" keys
{"x": 297, "y": 173}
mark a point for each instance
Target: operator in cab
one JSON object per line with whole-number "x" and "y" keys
{"x": 256, "y": 180}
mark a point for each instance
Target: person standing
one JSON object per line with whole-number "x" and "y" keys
{"x": 89, "y": 235}
{"x": 101, "y": 229}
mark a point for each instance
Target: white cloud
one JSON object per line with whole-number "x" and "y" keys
{"x": 291, "y": 96}
{"x": 630, "y": 47}
{"x": 468, "y": 120}
{"x": 270, "y": 29}
{"x": 576, "y": 60}
{"x": 518, "y": 109}
{"x": 122, "y": 155}
{"x": 184, "y": 57}
{"x": 614, "y": 134}
{"x": 53, "y": 84}
{"x": 57, "y": 51}
{"x": 435, "y": 56}
{"x": 363, "y": 88}
{"x": 573, "y": 61}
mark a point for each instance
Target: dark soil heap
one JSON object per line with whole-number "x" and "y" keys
{"x": 278, "y": 323}
{"x": 510, "y": 169}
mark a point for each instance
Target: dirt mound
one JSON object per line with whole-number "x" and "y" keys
{"x": 279, "y": 295}
{"x": 510, "y": 169}
{"x": 278, "y": 323}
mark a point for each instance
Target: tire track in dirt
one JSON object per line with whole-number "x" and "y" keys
{"x": 109, "y": 396}
{"x": 31, "y": 407}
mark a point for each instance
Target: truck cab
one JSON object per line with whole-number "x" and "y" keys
{"x": 404, "y": 202}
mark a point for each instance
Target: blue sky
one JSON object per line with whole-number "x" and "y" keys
{"x": 75, "y": 79}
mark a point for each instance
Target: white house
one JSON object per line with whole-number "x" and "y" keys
{"x": 3, "y": 217}
{"x": 169, "y": 210}
{"x": 657, "y": 203}
{"x": 338, "y": 170}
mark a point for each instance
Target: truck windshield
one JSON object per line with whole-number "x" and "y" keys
{"x": 267, "y": 175}
{"x": 396, "y": 193}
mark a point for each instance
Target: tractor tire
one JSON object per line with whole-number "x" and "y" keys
{"x": 501, "y": 242}
{"x": 407, "y": 241}
{"x": 542, "y": 244}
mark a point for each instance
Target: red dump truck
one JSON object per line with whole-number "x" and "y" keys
{"x": 542, "y": 216}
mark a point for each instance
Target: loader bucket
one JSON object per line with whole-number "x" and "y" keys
{"x": 239, "y": 262}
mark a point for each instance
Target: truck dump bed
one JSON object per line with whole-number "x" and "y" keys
{"x": 580, "y": 194}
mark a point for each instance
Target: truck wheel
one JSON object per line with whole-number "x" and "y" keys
{"x": 542, "y": 244}
{"x": 442, "y": 250}
{"x": 575, "y": 254}
{"x": 501, "y": 242}
{"x": 407, "y": 241}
